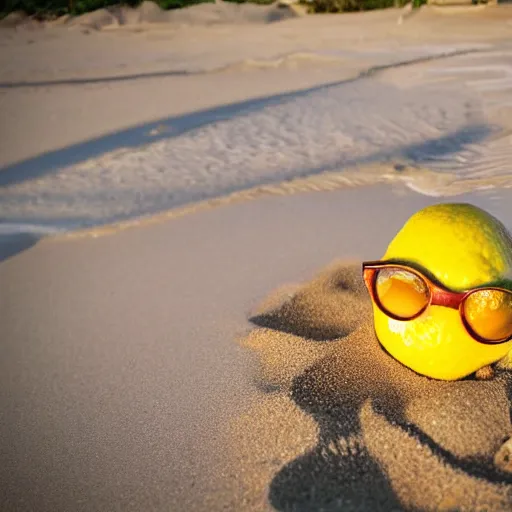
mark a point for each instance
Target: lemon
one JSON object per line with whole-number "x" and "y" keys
{"x": 462, "y": 247}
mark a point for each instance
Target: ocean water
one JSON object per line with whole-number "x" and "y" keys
{"x": 443, "y": 113}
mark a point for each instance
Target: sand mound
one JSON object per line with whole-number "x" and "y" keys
{"x": 200, "y": 14}
{"x": 149, "y": 12}
{"x": 388, "y": 439}
{"x": 13, "y": 19}
{"x": 20, "y": 20}
{"x": 227, "y": 12}
{"x": 95, "y": 20}
{"x": 146, "y": 12}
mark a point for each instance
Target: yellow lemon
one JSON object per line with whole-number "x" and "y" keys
{"x": 462, "y": 247}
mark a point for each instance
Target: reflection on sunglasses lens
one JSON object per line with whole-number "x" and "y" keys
{"x": 401, "y": 293}
{"x": 489, "y": 314}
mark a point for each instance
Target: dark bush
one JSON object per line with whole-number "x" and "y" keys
{"x": 178, "y": 4}
{"x": 59, "y": 7}
{"x": 259, "y": 2}
{"x": 323, "y": 6}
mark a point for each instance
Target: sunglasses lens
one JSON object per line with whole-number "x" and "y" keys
{"x": 489, "y": 314}
{"x": 400, "y": 293}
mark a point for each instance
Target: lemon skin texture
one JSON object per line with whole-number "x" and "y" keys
{"x": 462, "y": 247}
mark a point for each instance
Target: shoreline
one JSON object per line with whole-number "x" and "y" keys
{"x": 323, "y": 182}
{"x": 423, "y": 182}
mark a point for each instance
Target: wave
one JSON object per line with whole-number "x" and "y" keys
{"x": 329, "y": 136}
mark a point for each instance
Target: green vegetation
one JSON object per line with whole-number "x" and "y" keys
{"x": 323, "y": 6}
{"x": 176, "y": 4}
{"x": 44, "y": 8}
{"x": 258, "y": 2}
{"x": 52, "y": 8}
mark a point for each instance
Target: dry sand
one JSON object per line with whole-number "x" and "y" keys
{"x": 131, "y": 380}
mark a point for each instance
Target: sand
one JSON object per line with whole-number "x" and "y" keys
{"x": 388, "y": 439}
{"x": 219, "y": 355}
{"x": 156, "y": 368}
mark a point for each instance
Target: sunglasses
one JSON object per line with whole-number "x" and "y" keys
{"x": 403, "y": 293}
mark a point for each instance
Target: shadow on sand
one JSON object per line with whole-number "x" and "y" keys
{"x": 132, "y": 137}
{"x": 382, "y": 427}
{"x": 10, "y": 245}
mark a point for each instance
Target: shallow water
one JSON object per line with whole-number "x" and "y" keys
{"x": 449, "y": 115}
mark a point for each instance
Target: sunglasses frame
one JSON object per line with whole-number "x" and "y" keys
{"x": 438, "y": 295}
